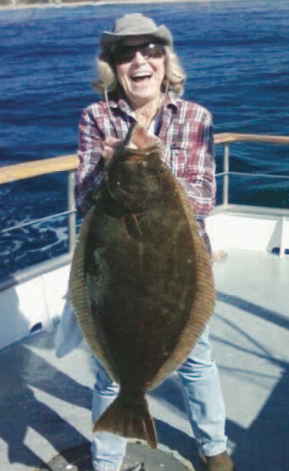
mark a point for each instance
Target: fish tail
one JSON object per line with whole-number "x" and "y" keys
{"x": 128, "y": 420}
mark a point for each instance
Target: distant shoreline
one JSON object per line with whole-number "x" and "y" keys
{"x": 15, "y": 5}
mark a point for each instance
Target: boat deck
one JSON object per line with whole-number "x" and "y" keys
{"x": 45, "y": 401}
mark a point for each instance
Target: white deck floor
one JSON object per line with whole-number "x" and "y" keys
{"x": 45, "y": 402}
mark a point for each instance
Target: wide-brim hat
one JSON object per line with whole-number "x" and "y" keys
{"x": 134, "y": 24}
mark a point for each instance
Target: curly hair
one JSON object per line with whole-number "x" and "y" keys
{"x": 107, "y": 80}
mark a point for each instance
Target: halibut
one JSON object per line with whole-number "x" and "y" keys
{"x": 141, "y": 281}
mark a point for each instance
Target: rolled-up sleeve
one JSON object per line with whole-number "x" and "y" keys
{"x": 89, "y": 171}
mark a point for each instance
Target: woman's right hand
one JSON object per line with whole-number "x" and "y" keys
{"x": 110, "y": 148}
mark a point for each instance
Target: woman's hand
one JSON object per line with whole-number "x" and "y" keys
{"x": 110, "y": 149}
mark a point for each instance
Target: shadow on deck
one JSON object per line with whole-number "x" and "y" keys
{"x": 45, "y": 402}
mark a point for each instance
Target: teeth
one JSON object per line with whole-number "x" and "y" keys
{"x": 141, "y": 75}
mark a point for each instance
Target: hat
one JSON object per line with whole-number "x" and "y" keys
{"x": 135, "y": 24}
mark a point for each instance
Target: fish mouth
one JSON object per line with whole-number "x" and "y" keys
{"x": 124, "y": 194}
{"x": 119, "y": 192}
{"x": 120, "y": 189}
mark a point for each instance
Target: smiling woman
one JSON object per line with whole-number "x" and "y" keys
{"x": 141, "y": 81}
{"x": 151, "y": 47}
{"x": 141, "y": 77}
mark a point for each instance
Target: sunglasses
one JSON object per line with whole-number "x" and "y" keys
{"x": 126, "y": 54}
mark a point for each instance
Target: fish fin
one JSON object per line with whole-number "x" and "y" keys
{"x": 204, "y": 301}
{"x": 128, "y": 421}
{"x": 133, "y": 227}
{"x": 91, "y": 331}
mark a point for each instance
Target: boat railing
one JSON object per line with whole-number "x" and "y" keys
{"x": 226, "y": 138}
{"x": 69, "y": 163}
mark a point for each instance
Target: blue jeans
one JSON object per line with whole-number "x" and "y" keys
{"x": 203, "y": 400}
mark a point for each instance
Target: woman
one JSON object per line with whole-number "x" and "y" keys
{"x": 141, "y": 80}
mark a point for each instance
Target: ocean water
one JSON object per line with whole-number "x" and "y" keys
{"x": 236, "y": 55}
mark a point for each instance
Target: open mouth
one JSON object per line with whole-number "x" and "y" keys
{"x": 140, "y": 77}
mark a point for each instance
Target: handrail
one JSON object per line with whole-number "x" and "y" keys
{"x": 35, "y": 168}
{"x": 64, "y": 163}
{"x": 227, "y": 137}
{"x": 246, "y": 174}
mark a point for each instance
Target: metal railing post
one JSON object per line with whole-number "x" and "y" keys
{"x": 282, "y": 241}
{"x": 72, "y": 215}
{"x": 226, "y": 174}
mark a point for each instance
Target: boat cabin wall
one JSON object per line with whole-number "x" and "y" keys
{"x": 32, "y": 305}
{"x": 253, "y": 232}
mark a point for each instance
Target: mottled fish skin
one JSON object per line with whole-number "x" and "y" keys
{"x": 141, "y": 280}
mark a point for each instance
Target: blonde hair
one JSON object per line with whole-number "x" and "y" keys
{"x": 107, "y": 80}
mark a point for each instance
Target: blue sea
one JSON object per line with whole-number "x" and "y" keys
{"x": 236, "y": 55}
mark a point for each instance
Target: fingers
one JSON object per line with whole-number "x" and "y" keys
{"x": 110, "y": 146}
{"x": 107, "y": 153}
{"x": 112, "y": 142}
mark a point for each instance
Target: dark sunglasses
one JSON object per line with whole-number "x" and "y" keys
{"x": 125, "y": 54}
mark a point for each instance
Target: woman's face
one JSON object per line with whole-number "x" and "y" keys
{"x": 142, "y": 72}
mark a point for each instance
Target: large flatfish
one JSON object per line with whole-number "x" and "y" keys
{"x": 141, "y": 280}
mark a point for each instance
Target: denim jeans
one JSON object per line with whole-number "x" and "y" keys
{"x": 203, "y": 400}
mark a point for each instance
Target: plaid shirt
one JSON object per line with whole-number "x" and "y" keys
{"x": 185, "y": 130}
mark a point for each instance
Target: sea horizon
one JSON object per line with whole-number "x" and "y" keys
{"x": 17, "y": 5}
